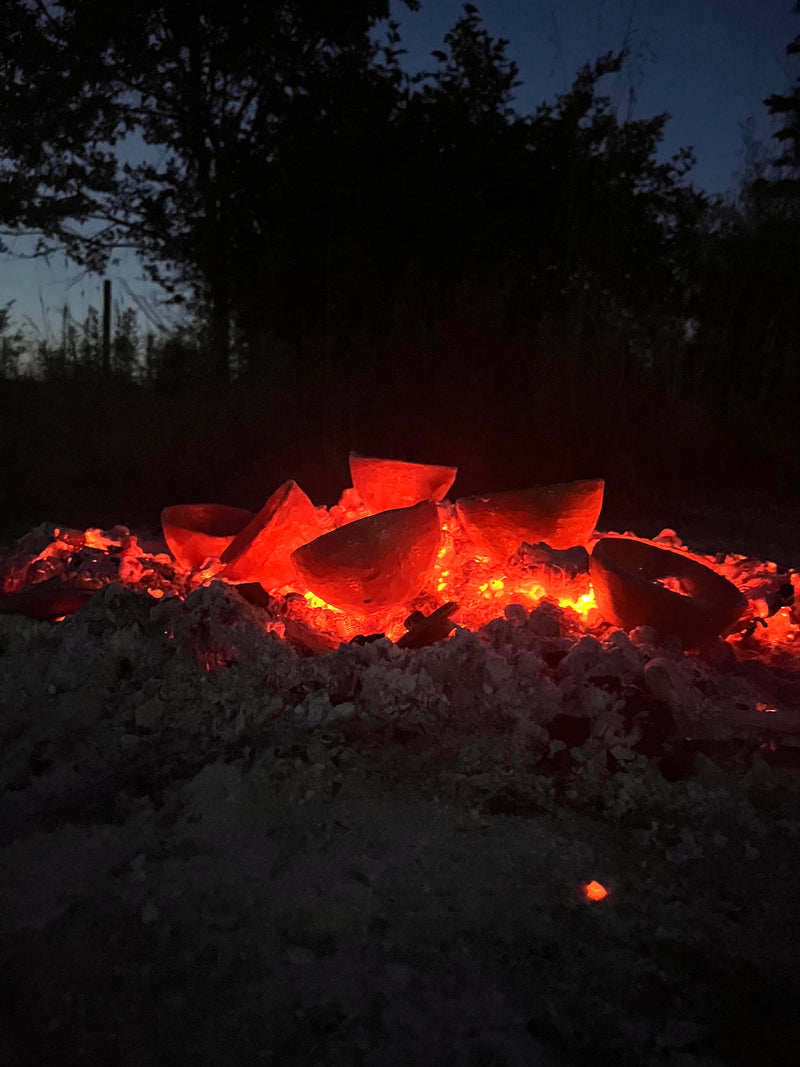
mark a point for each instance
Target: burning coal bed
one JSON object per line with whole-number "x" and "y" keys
{"x": 497, "y": 654}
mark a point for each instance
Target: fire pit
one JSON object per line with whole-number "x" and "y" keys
{"x": 267, "y": 769}
{"x": 427, "y": 570}
{"x": 394, "y": 548}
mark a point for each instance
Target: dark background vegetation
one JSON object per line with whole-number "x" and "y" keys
{"x": 401, "y": 265}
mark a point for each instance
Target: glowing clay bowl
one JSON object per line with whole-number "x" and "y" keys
{"x": 562, "y": 515}
{"x": 393, "y": 483}
{"x": 626, "y": 576}
{"x": 372, "y": 564}
{"x": 194, "y": 532}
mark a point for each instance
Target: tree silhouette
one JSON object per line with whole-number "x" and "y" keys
{"x": 746, "y": 285}
{"x": 219, "y": 91}
{"x": 286, "y": 177}
{"x": 58, "y": 125}
{"x": 11, "y": 345}
{"x": 350, "y": 241}
{"x": 125, "y": 344}
{"x": 784, "y": 189}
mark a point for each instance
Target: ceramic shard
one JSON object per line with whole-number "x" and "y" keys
{"x": 561, "y": 516}
{"x": 393, "y": 483}
{"x": 261, "y": 552}
{"x": 195, "y": 532}
{"x": 637, "y": 584}
{"x": 374, "y": 563}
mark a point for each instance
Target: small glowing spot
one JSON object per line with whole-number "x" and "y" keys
{"x": 761, "y": 706}
{"x": 582, "y": 605}
{"x": 535, "y": 592}
{"x": 156, "y": 594}
{"x": 94, "y": 538}
{"x": 496, "y": 584}
{"x": 314, "y": 601}
{"x": 594, "y": 891}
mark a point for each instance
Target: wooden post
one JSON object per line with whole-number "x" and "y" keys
{"x": 106, "y": 328}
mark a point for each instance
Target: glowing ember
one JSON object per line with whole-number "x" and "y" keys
{"x": 594, "y": 891}
{"x": 97, "y": 539}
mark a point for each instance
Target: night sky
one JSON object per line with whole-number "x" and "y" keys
{"x": 708, "y": 63}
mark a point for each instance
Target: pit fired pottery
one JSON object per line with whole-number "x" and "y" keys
{"x": 562, "y": 516}
{"x": 626, "y": 575}
{"x": 374, "y": 563}
{"x": 195, "y": 532}
{"x": 261, "y": 552}
{"x": 383, "y": 484}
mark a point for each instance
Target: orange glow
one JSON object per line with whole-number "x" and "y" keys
{"x": 458, "y": 575}
{"x": 260, "y": 552}
{"x": 315, "y": 602}
{"x": 371, "y": 565}
{"x": 595, "y": 891}
{"x": 383, "y": 484}
{"x": 461, "y": 574}
{"x": 95, "y": 539}
{"x": 780, "y": 625}
{"x": 767, "y": 709}
{"x": 482, "y": 589}
{"x": 205, "y": 574}
{"x": 53, "y": 549}
{"x": 583, "y": 605}
{"x": 395, "y": 553}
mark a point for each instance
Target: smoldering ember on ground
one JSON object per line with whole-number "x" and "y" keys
{"x": 485, "y": 824}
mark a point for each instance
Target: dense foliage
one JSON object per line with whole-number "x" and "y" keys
{"x": 368, "y": 254}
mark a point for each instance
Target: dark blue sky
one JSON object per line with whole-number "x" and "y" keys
{"x": 709, "y": 63}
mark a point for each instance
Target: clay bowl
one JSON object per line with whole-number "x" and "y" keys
{"x": 194, "y": 532}
{"x": 626, "y": 577}
{"x": 393, "y": 483}
{"x": 374, "y": 563}
{"x": 562, "y": 515}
